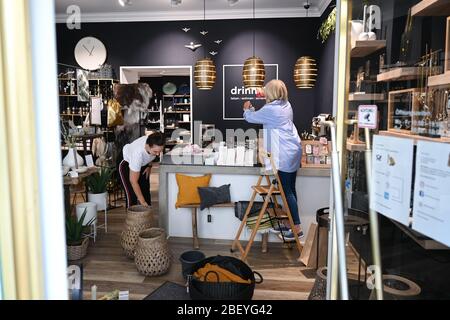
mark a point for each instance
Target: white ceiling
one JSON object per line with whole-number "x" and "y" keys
{"x": 161, "y": 10}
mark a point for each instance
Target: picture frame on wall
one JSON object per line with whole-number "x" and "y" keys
{"x": 82, "y": 85}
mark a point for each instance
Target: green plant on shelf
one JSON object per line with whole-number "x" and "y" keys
{"x": 97, "y": 183}
{"x": 75, "y": 228}
{"x": 69, "y": 140}
{"x": 327, "y": 27}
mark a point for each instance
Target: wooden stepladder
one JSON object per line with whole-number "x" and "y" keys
{"x": 268, "y": 187}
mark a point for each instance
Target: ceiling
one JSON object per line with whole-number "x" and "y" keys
{"x": 162, "y": 10}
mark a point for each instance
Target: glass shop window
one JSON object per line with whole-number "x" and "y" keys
{"x": 400, "y": 63}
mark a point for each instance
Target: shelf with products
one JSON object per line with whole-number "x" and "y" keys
{"x": 365, "y": 48}
{"x": 414, "y": 137}
{"x": 355, "y": 96}
{"x": 431, "y": 8}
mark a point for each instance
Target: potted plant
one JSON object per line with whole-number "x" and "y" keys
{"x": 97, "y": 185}
{"x": 77, "y": 243}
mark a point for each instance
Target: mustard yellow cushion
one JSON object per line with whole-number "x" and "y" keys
{"x": 187, "y": 189}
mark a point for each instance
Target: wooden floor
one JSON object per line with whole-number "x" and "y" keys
{"x": 107, "y": 267}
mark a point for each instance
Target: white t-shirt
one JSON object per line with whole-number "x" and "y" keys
{"x": 135, "y": 154}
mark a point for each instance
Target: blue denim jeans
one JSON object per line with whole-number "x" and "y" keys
{"x": 288, "y": 184}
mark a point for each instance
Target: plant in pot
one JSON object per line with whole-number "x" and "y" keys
{"x": 77, "y": 243}
{"x": 97, "y": 185}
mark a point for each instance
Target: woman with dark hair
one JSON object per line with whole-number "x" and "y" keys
{"x": 135, "y": 168}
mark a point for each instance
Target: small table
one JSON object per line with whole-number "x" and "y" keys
{"x": 68, "y": 181}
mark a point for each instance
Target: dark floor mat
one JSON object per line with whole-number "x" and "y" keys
{"x": 169, "y": 291}
{"x": 309, "y": 273}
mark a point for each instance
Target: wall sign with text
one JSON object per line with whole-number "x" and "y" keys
{"x": 234, "y": 93}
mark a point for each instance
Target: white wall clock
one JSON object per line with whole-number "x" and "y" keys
{"x": 90, "y": 53}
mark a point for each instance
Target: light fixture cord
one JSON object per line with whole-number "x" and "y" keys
{"x": 204, "y": 29}
{"x": 254, "y": 27}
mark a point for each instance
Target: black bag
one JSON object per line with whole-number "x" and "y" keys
{"x": 202, "y": 290}
{"x": 241, "y": 207}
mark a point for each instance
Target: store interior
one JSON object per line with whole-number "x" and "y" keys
{"x": 129, "y": 69}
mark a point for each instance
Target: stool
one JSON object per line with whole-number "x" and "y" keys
{"x": 194, "y": 208}
{"x": 91, "y": 213}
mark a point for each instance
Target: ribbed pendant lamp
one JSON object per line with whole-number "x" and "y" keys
{"x": 253, "y": 73}
{"x": 204, "y": 70}
{"x": 305, "y": 70}
{"x": 305, "y": 73}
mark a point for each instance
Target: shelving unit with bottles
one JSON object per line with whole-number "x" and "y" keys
{"x": 176, "y": 114}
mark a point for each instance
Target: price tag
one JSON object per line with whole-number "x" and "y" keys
{"x": 368, "y": 116}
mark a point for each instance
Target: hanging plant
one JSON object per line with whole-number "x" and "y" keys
{"x": 327, "y": 27}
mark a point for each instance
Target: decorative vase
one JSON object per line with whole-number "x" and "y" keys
{"x": 78, "y": 252}
{"x": 152, "y": 255}
{"x": 100, "y": 199}
{"x": 357, "y": 27}
{"x": 69, "y": 160}
{"x": 138, "y": 219}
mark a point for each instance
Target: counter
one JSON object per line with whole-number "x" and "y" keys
{"x": 313, "y": 189}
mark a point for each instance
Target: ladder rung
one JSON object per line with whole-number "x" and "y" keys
{"x": 265, "y": 190}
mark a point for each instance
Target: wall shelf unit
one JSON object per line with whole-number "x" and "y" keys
{"x": 367, "y": 97}
{"x": 364, "y": 48}
{"x": 439, "y": 80}
{"x": 399, "y": 74}
{"x": 431, "y": 8}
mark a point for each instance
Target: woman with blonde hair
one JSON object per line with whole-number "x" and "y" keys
{"x": 281, "y": 139}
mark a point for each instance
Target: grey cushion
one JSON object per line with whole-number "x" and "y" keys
{"x": 211, "y": 196}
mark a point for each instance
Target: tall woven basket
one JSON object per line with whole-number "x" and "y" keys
{"x": 152, "y": 256}
{"x": 139, "y": 218}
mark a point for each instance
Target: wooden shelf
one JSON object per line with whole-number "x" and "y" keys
{"x": 439, "y": 80}
{"x": 414, "y": 137}
{"x": 181, "y": 104}
{"x": 184, "y": 122}
{"x": 104, "y": 79}
{"x": 173, "y": 112}
{"x": 399, "y": 74}
{"x": 176, "y": 95}
{"x": 424, "y": 242}
{"x": 74, "y": 115}
{"x": 152, "y": 111}
{"x": 431, "y": 8}
{"x": 366, "y": 97}
{"x": 364, "y": 48}
{"x": 355, "y": 146}
{"x": 68, "y": 95}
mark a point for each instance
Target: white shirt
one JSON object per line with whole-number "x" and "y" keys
{"x": 136, "y": 155}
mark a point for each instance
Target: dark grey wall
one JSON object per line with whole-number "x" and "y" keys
{"x": 279, "y": 41}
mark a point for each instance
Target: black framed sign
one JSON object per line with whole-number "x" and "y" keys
{"x": 234, "y": 93}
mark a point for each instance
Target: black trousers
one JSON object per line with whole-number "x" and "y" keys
{"x": 144, "y": 184}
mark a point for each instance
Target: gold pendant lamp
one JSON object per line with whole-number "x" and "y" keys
{"x": 254, "y": 72}
{"x": 205, "y": 74}
{"x": 305, "y": 73}
{"x": 305, "y": 70}
{"x": 204, "y": 70}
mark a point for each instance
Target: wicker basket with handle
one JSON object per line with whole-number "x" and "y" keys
{"x": 152, "y": 256}
{"x": 138, "y": 219}
{"x": 78, "y": 252}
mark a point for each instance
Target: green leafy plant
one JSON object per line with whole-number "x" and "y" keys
{"x": 75, "y": 227}
{"x": 327, "y": 27}
{"x": 69, "y": 139}
{"x": 98, "y": 182}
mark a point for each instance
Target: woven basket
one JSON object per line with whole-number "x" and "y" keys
{"x": 152, "y": 256}
{"x": 78, "y": 252}
{"x": 139, "y": 218}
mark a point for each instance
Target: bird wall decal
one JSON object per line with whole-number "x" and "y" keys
{"x": 218, "y": 41}
{"x": 193, "y": 46}
{"x": 203, "y": 33}
{"x": 186, "y": 29}
{"x": 213, "y": 53}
